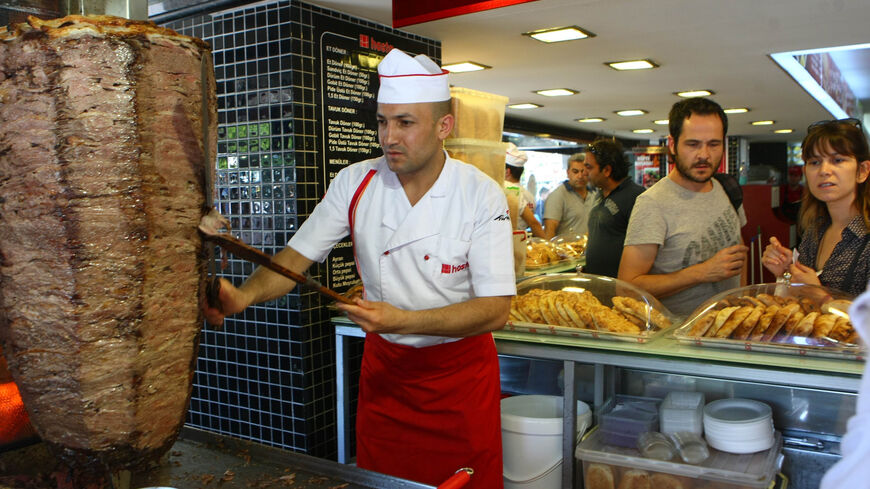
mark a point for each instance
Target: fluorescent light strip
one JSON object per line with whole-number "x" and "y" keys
{"x": 465, "y": 67}
{"x": 763, "y": 123}
{"x": 784, "y": 131}
{"x": 638, "y": 64}
{"x": 791, "y": 66}
{"x": 694, "y": 93}
{"x": 737, "y": 110}
{"x": 556, "y": 92}
{"x": 631, "y": 112}
{"x": 642, "y": 131}
{"x": 559, "y": 34}
{"x": 524, "y": 106}
{"x": 661, "y": 122}
{"x": 591, "y": 119}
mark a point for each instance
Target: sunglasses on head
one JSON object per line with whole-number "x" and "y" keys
{"x": 850, "y": 120}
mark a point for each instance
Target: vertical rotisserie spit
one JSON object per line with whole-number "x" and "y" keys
{"x": 102, "y": 186}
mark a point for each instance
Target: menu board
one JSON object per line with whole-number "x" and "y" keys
{"x": 348, "y": 54}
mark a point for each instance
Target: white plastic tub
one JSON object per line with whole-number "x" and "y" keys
{"x": 531, "y": 428}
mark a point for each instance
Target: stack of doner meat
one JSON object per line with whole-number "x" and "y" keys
{"x": 107, "y": 130}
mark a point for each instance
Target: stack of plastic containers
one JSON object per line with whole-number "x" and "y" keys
{"x": 627, "y": 420}
{"x": 682, "y": 411}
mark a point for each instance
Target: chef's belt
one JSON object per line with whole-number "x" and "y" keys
{"x": 425, "y": 412}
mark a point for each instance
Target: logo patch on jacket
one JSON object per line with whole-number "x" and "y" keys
{"x": 445, "y": 268}
{"x": 504, "y": 217}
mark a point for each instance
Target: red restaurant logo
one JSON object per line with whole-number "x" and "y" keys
{"x": 366, "y": 42}
{"x": 445, "y": 268}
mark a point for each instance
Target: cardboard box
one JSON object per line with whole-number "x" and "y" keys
{"x": 479, "y": 115}
{"x": 488, "y": 156}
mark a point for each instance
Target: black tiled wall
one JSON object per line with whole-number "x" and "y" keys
{"x": 269, "y": 373}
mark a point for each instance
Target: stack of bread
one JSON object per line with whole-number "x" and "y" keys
{"x": 477, "y": 133}
{"x": 584, "y": 310}
{"x": 774, "y": 319}
{"x": 602, "y": 476}
{"x": 540, "y": 253}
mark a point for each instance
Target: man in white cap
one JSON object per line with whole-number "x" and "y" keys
{"x": 515, "y": 161}
{"x": 432, "y": 241}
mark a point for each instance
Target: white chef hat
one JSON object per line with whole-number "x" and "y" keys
{"x": 514, "y": 157}
{"x": 407, "y": 80}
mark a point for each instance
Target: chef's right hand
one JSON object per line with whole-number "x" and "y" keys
{"x": 231, "y": 301}
{"x": 726, "y": 263}
{"x": 776, "y": 258}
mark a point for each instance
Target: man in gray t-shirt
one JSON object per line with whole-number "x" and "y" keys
{"x": 683, "y": 243}
{"x": 566, "y": 210}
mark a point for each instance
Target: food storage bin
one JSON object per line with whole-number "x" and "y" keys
{"x": 488, "y": 156}
{"x": 608, "y": 466}
{"x": 795, "y": 319}
{"x": 478, "y": 115}
{"x": 629, "y": 418}
{"x": 586, "y": 306}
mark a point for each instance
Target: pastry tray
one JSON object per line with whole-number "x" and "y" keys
{"x": 811, "y": 297}
{"x": 604, "y": 289}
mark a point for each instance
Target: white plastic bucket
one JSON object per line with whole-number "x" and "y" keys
{"x": 531, "y": 433}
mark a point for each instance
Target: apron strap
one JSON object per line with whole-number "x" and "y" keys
{"x": 351, "y": 211}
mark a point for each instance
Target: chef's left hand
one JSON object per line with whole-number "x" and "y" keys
{"x": 802, "y": 274}
{"x": 376, "y": 317}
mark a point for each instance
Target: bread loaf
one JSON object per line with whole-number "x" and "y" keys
{"x": 599, "y": 476}
{"x": 635, "y": 479}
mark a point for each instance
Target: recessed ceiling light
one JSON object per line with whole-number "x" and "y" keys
{"x": 784, "y": 131}
{"x": 465, "y": 66}
{"x": 631, "y": 112}
{"x": 559, "y": 34}
{"x": 762, "y": 123}
{"x": 637, "y": 64}
{"x": 524, "y": 106}
{"x": 642, "y": 131}
{"x": 591, "y": 119}
{"x": 737, "y": 110}
{"x": 556, "y": 92}
{"x": 661, "y": 122}
{"x": 694, "y": 93}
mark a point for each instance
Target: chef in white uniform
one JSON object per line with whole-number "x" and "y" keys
{"x": 432, "y": 241}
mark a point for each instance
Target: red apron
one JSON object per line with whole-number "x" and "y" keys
{"x": 425, "y": 412}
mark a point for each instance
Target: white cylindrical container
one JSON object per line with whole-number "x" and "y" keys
{"x": 531, "y": 430}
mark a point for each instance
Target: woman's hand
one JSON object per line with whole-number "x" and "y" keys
{"x": 802, "y": 274}
{"x": 776, "y": 258}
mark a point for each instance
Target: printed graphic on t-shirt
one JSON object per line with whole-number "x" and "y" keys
{"x": 719, "y": 234}
{"x": 612, "y": 207}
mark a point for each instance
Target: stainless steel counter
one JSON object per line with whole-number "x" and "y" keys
{"x": 203, "y": 459}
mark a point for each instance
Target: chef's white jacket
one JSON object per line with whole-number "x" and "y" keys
{"x": 853, "y": 470}
{"x": 453, "y": 245}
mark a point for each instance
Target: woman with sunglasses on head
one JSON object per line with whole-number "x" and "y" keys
{"x": 835, "y": 211}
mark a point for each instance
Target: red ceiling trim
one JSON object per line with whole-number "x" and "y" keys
{"x": 407, "y": 13}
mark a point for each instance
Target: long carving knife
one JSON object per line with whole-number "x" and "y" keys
{"x": 245, "y": 252}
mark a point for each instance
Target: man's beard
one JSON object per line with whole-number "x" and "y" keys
{"x": 685, "y": 170}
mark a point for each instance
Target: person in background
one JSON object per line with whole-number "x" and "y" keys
{"x": 539, "y": 203}
{"x": 432, "y": 240}
{"x": 835, "y": 212}
{"x": 792, "y": 193}
{"x": 683, "y": 243}
{"x": 566, "y": 211}
{"x": 608, "y": 221}
{"x": 852, "y": 470}
{"x": 514, "y": 166}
